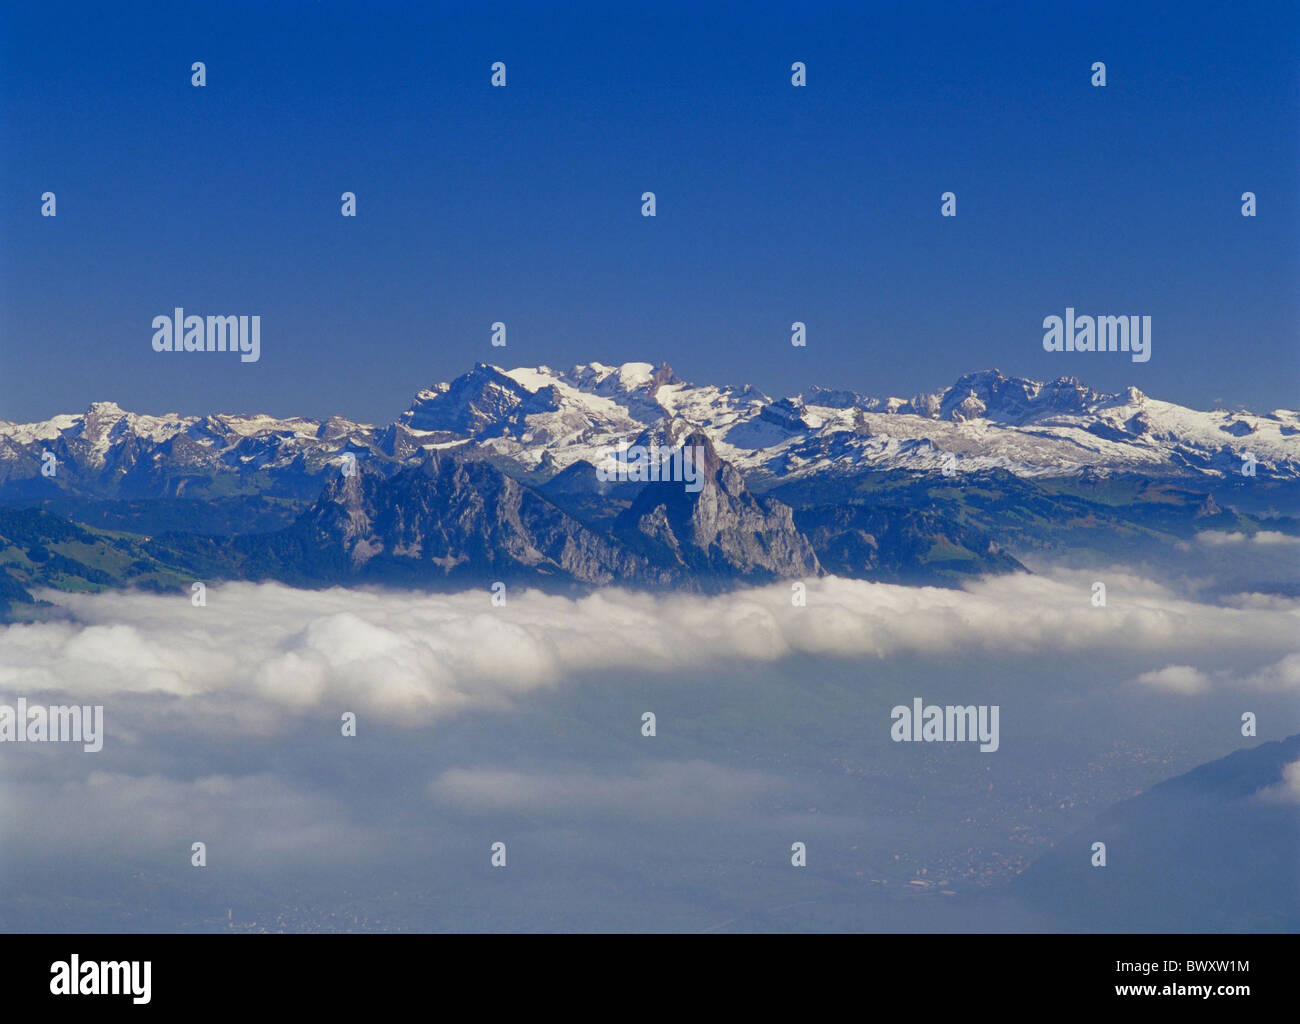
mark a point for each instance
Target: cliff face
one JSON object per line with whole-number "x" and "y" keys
{"x": 721, "y": 529}
{"x": 463, "y": 518}
{"x": 456, "y": 517}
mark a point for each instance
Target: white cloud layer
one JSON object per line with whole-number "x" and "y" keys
{"x": 1176, "y": 679}
{"x": 241, "y": 819}
{"x": 261, "y": 650}
{"x": 673, "y": 790}
{"x": 1266, "y": 538}
{"x": 1288, "y": 790}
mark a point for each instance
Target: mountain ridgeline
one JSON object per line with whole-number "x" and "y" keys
{"x": 456, "y": 519}
{"x": 1213, "y": 850}
{"x": 504, "y": 475}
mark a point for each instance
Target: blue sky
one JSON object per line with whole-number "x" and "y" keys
{"x": 522, "y": 204}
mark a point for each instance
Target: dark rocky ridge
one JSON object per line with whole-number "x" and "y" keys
{"x": 722, "y": 529}
{"x": 457, "y": 518}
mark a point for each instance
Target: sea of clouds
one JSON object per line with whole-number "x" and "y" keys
{"x": 259, "y": 652}
{"x": 478, "y": 722}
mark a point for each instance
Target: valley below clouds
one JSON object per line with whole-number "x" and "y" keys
{"x": 522, "y": 724}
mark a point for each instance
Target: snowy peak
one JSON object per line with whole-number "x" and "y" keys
{"x": 542, "y": 421}
{"x": 482, "y": 401}
{"x": 106, "y": 452}
{"x": 624, "y": 379}
{"x": 990, "y": 395}
{"x": 546, "y": 420}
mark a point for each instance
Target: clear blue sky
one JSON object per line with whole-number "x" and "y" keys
{"x": 522, "y": 204}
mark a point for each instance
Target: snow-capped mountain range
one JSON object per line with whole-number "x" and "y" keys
{"x": 536, "y": 422}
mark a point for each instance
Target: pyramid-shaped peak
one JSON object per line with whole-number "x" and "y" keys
{"x": 105, "y": 409}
